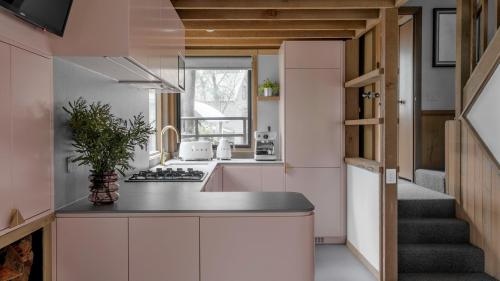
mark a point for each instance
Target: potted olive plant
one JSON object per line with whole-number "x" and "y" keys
{"x": 105, "y": 143}
{"x": 269, "y": 88}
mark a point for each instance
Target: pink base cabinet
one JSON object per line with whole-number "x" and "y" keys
{"x": 218, "y": 247}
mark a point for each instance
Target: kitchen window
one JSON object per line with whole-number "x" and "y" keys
{"x": 217, "y": 100}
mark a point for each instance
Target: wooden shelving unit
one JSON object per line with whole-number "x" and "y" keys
{"x": 370, "y": 165}
{"x": 272, "y": 98}
{"x": 366, "y": 79}
{"x": 364, "y": 122}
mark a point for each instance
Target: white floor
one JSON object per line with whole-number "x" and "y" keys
{"x": 336, "y": 263}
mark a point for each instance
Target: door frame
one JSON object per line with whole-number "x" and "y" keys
{"x": 416, "y": 12}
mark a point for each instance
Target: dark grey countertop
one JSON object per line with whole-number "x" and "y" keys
{"x": 187, "y": 197}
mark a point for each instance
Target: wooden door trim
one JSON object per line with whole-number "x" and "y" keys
{"x": 416, "y": 12}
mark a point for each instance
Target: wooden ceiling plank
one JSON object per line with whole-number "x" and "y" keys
{"x": 275, "y": 25}
{"x": 280, "y": 4}
{"x": 221, "y": 34}
{"x": 271, "y": 14}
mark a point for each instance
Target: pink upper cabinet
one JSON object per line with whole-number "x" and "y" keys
{"x": 32, "y": 107}
{"x": 313, "y": 54}
{"x": 313, "y": 117}
{"x": 6, "y": 203}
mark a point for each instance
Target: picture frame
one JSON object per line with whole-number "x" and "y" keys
{"x": 181, "y": 75}
{"x": 445, "y": 34}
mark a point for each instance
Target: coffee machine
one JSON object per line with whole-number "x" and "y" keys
{"x": 266, "y": 145}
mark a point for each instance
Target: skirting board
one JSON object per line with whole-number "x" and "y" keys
{"x": 363, "y": 260}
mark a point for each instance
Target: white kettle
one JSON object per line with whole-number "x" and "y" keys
{"x": 224, "y": 149}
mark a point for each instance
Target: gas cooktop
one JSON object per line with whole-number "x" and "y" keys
{"x": 168, "y": 175}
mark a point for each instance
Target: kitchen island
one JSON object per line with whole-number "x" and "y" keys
{"x": 174, "y": 231}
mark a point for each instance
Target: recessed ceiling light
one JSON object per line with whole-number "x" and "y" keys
{"x": 210, "y": 30}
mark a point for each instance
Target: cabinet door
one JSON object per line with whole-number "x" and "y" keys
{"x": 92, "y": 249}
{"x": 241, "y": 178}
{"x": 273, "y": 178}
{"x": 5, "y": 137}
{"x": 313, "y": 54}
{"x": 322, "y": 186}
{"x": 32, "y": 107}
{"x": 313, "y": 125}
{"x": 257, "y": 248}
{"x": 164, "y": 249}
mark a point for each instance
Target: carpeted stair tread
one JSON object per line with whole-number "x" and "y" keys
{"x": 432, "y": 231}
{"x": 445, "y": 277}
{"x": 443, "y": 258}
{"x": 439, "y": 208}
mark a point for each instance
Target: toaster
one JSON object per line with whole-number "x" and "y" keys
{"x": 196, "y": 150}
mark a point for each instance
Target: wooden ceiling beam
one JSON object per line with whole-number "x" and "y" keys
{"x": 280, "y": 4}
{"x": 270, "y": 14}
{"x": 254, "y": 43}
{"x": 275, "y": 25}
{"x": 226, "y": 34}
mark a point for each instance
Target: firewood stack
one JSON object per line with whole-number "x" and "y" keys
{"x": 18, "y": 260}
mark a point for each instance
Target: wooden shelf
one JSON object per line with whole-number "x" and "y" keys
{"x": 364, "y": 122}
{"x": 272, "y": 98}
{"x": 370, "y": 165}
{"x": 366, "y": 79}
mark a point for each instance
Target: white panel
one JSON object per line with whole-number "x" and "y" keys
{"x": 484, "y": 115}
{"x": 363, "y": 213}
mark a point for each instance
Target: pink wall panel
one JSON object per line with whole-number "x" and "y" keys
{"x": 92, "y": 249}
{"x": 313, "y": 54}
{"x": 164, "y": 249}
{"x": 252, "y": 248}
{"x": 313, "y": 110}
{"x": 6, "y": 203}
{"x": 273, "y": 178}
{"x": 241, "y": 178}
{"x": 32, "y": 106}
{"x": 322, "y": 186}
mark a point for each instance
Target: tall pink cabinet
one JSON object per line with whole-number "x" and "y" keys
{"x": 311, "y": 116}
{"x": 26, "y": 123}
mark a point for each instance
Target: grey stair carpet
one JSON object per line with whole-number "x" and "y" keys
{"x": 433, "y": 231}
{"x": 433, "y": 244}
{"x": 445, "y": 277}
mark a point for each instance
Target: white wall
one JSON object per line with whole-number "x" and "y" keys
{"x": 438, "y": 83}
{"x": 363, "y": 213}
{"x": 71, "y": 82}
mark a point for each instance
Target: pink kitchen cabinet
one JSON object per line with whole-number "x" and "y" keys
{"x": 252, "y": 248}
{"x": 273, "y": 178}
{"x": 313, "y": 110}
{"x": 214, "y": 182}
{"x": 241, "y": 178}
{"x": 322, "y": 187}
{"x": 6, "y": 203}
{"x": 164, "y": 249}
{"x": 32, "y": 106}
{"x": 92, "y": 249}
{"x": 313, "y": 54}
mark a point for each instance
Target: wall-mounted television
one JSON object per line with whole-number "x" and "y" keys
{"x": 50, "y": 15}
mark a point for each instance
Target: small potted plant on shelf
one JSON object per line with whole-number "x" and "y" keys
{"x": 106, "y": 143}
{"x": 269, "y": 88}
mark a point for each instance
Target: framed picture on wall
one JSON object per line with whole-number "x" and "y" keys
{"x": 445, "y": 34}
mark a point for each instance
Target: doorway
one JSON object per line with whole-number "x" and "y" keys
{"x": 409, "y": 90}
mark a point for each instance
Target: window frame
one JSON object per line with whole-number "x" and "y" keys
{"x": 251, "y": 100}
{"x": 156, "y": 153}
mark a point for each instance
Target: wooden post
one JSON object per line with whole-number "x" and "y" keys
{"x": 464, "y": 51}
{"x": 389, "y": 98}
{"x": 352, "y": 99}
